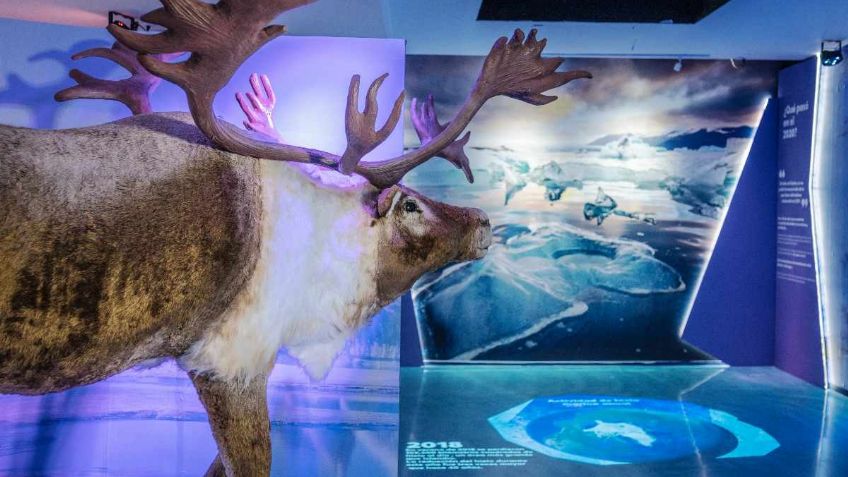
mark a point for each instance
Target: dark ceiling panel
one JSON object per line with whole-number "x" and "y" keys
{"x": 613, "y": 11}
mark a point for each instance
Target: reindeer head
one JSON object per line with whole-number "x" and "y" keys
{"x": 422, "y": 235}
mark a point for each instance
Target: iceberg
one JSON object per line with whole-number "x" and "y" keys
{"x": 604, "y": 206}
{"x": 532, "y": 276}
{"x": 627, "y": 147}
{"x": 706, "y": 200}
{"x": 706, "y": 190}
{"x": 553, "y": 179}
{"x": 511, "y": 172}
{"x": 515, "y": 175}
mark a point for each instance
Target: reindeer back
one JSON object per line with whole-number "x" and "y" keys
{"x": 118, "y": 243}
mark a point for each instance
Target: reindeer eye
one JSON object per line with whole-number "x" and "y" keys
{"x": 410, "y": 206}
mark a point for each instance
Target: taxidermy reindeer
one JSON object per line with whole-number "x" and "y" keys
{"x": 177, "y": 235}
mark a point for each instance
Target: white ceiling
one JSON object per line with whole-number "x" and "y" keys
{"x": 754, "y": 29}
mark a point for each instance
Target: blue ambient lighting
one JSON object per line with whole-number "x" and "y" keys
{"x": 815, "y": 219}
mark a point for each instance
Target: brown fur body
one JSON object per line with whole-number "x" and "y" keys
{"x": 119, "y": 243}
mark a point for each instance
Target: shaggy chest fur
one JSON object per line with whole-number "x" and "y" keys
{"x": 313, "y": 285}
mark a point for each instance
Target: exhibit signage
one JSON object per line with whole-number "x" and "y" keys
{"x": 797, "y": 327}
{"x": 795, "y": 260}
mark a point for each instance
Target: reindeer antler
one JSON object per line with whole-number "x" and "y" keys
{"x": 221, "y": 36}
{"x": 427, "y": 125}
{"x": 361, "y": 136}
{"x": 133, "y": 91}
{"x": 513, "y": 68}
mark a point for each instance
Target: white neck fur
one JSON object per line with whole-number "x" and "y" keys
{"x": 315, "y": 276}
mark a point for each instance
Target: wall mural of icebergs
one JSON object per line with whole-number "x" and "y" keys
{"x": 605, "y": 207}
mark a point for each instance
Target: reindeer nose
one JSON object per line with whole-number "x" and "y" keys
{"x": 480, "y": 236}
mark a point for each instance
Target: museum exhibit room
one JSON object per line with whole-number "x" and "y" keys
{"x": 423, "y": 238}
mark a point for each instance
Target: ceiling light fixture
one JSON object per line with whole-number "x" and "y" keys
{"x": 831, "y": 52}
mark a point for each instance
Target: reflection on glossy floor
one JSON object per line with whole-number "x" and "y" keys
{"x": 150, "y": 423}
{"x": 630, "y": 421}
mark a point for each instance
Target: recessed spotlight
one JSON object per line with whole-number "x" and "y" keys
{"x": 831, "y": 52}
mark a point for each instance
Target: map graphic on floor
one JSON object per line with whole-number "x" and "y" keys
{"x": 606, "y": 430}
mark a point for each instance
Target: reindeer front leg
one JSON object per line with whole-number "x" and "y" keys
{"x": 238, "y": 415}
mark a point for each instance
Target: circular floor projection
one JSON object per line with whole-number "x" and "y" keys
{"x": 607, "y": 430}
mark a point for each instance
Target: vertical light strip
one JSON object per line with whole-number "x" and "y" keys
{"x": 724, "y": 212}
{"x": 820, "y": 109}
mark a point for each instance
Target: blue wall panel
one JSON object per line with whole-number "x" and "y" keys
{"x": 733, "y": 314}
{"x": 798, "y": 347}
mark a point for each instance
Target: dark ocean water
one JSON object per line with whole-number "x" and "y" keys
{"x": 626, "y": 327}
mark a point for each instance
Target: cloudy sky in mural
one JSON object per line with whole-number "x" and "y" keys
{"x": 643, "y": 98}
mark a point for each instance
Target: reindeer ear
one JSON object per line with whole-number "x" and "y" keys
{"x": 386, "y": 199}
{"x": 379, "y": 202}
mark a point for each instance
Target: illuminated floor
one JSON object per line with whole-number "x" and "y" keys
{"x": 150, "y": 423}
{"x": 667, "y": 420}
{"x": 619, "y": 421}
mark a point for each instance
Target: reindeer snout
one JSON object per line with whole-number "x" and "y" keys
{"x": 482, "y": 234}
